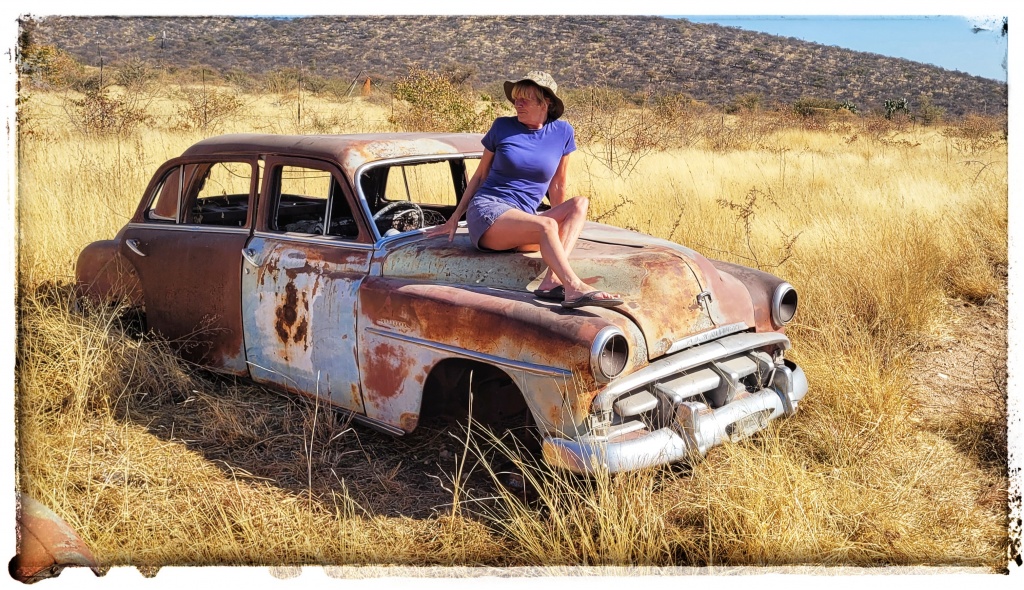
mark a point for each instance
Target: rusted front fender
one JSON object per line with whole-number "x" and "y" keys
{"x": 406, "y": 328}
{"x": 46, "y": 544}
{"x": 103, "y": 274}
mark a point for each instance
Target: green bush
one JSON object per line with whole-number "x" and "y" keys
{"x": 432, "y": 102}
{"x": 808, "y": 106}
{"x": 927, "y": 112}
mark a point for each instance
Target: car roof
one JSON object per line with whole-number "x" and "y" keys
{"x": 349, "y": 151}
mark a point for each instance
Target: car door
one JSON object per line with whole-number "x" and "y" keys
{"x": 185, "y": 243}
{"x": 300, "y": 277}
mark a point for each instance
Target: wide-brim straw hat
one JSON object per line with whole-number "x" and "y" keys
{"x": 547, "y": 84}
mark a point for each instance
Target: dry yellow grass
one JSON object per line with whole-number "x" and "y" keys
{"x": 156, "y": 463}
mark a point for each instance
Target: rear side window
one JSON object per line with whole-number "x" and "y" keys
{"x": 165, "y": 201}
{"x": 214, "y": 193}
{"x": 221, "y": 194}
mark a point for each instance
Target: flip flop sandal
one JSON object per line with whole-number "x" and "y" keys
{"x": 555, "y": 293}
{"x": 590, "y": 299}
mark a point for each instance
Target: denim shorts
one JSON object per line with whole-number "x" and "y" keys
{"x": 480, "y": 215}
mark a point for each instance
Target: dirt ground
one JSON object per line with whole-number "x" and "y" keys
{"x": 960, "y": 388}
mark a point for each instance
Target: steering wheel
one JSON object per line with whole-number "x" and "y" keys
{"x": 399, "y": 204}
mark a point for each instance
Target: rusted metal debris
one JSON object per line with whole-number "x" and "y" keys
{"x": 46, "y": 544}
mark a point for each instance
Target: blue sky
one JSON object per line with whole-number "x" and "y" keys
{"x": 946, "y": 41}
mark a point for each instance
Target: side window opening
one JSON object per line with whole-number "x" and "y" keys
{"x": 307, "y": 197}
{"x": 424, "y": 184}
{"x": 222, "y": 195}
{"x": 414, "y": 195}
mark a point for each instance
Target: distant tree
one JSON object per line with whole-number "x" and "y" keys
{"x": 927, "y": 113}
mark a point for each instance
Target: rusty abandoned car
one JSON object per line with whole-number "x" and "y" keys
{"x": 300, "y": 262}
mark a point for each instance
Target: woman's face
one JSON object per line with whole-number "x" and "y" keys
{"x": 531, "y": 111}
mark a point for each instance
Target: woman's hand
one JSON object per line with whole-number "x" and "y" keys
{"x": 448, "y": 227}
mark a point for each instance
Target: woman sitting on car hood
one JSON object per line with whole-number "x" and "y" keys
{"x": 526, "y": 157}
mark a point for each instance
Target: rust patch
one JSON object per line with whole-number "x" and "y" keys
{"x": 480, "y": 322}
{"x": 300, "y": 334}
{"x": 48, "y": 544}
{"x": 408, "y": 421}
{"x": 357, "y": 402}
{"x": 287, "y": 314}
{"x": 387, "y": 368}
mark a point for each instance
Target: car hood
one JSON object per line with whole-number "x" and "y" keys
{"x": 659, "y": 281}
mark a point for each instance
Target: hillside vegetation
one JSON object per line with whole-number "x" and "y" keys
{"x": 646, "y": 55}
{"x": 893, "y": 231}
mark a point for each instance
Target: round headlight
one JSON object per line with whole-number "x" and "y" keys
{"x": 609, "y": 354}
{"x": 784, "y": 302}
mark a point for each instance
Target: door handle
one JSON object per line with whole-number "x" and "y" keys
{"x": 250, "y": 255}
{"x": 133, "y": 245}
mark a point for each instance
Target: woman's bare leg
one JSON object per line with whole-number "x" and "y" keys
{"x": 515, "y": 228}
{"x": 570, "y": 216}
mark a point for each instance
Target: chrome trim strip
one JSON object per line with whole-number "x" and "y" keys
{"x": 377, "y": 424}
{"x": 213, "y": 229}
{"x": 600, "y": 342}
{"x": 316, "y": 238}
{"x": 706, "y": 336}
{"x": 517, "y": 365}
{"x": 686, "y": 359}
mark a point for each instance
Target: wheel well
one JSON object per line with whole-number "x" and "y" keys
{"x": 497, "y": 401}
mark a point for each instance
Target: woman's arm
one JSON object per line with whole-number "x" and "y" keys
{"x": 478, "y": 178}
{"x": 556, "y": 190}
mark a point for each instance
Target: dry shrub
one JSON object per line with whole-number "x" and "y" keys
{"x": 106, "y": 112}
{"x": 205, "y": 108}
{"x": 432, "y": 102}
{"x": 723, "y": 133}
{"x": 976, "y": 134}
{"x": 614, "y": 131}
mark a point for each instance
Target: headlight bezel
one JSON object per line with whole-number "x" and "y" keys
{"x": 612, "y": 341}
{"x": 785, "y": 302}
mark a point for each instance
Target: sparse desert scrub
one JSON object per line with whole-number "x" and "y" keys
{"x": 156, "y": 462}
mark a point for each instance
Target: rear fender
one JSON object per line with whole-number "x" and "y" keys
{"x": 103, "y": 274}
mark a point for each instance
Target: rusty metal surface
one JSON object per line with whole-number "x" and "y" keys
{"x": 403, "y": 318}
{"x": 190, "y": 281}
{"x": 350, "y": 151}
{"x": 759, "y": 284}
{"x": 300, "y": 317}
{"x": 102, "y": 274}
{"x": 659, "y": 281}
{"x": 46, "y": 544}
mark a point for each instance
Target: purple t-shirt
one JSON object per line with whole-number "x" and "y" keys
{"x": 525, "y": 160}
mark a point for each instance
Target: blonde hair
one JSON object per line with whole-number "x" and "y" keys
{"x": 527, "y": 89}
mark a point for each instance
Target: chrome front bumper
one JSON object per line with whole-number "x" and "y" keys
{"x": 688, "y": 426}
